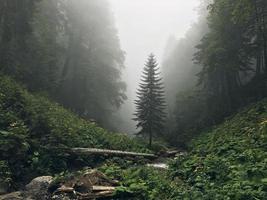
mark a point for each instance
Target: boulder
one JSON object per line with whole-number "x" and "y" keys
{"x": 37, "y": 189}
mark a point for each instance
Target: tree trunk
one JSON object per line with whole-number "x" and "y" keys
{"x": 259, "y": 65}
{"x": 150, "y": 136}
{"x": 261, "y": 26}
{"x": 265, "y": 53}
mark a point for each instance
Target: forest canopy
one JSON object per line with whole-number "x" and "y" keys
{"x": 215, "y": 71}
{"x": 68, "y": 49}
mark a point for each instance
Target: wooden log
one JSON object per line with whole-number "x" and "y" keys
{"x": 93, "y": 151}
{"x": 103, "y": 188}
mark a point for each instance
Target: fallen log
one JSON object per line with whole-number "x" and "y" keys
{"x": 103, "y": 188}
{"x": 93, "y": 151}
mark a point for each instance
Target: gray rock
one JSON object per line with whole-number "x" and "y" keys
{"x": 37, "y": 189}
{"x": 12, "y": 196}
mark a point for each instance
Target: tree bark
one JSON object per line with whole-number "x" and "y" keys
{"x": 150, "y": 137}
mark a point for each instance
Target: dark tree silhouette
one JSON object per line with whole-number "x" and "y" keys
{"x": 150, "y": 103}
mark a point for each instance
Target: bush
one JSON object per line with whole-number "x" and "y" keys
{"x": 139, "y": 182}
{"x": 231, "y": 161}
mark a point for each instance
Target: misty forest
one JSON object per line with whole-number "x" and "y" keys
{"x": 138, "y": 100}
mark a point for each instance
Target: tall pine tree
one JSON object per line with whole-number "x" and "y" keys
{"x": 150, "y": 103}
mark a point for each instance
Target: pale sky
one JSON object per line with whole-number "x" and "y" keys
{"x": 144, "y": 27}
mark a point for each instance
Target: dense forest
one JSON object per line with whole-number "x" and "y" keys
{"x": 219, "y": 67}
{"x": 201, "y": 114}
{"x": 68, "y": 50}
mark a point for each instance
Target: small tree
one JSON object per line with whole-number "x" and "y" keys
{"x": 150, "y": 103}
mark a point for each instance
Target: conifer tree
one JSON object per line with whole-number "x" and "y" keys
{"x": 150, "y": 103}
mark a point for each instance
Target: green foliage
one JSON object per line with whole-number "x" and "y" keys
{"x": 5, "y": 176}
{"x": 140, "y": 182}
{"x": 34, "y": 135}
{"x": 230, "y": 161}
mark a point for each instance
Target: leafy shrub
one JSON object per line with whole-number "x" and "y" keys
{"x": 5, "y": 176}
{"x": 231, "y": 161}
{"x": 140, "y": 182}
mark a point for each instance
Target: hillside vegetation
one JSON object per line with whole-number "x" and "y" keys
{"x": 228, "y": 162}
{"x": 35, "y": 131}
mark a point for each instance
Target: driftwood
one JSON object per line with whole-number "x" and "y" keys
{"x": 93, "y": 151}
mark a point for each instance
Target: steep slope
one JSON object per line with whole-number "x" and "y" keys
{"x": 34, "y": 133}
{"x": 230, "y": 162}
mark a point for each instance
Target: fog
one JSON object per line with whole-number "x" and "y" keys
{"x": 144, "y": 26}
